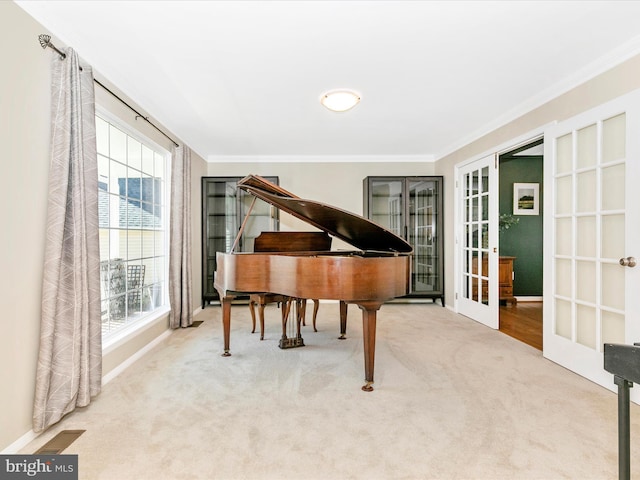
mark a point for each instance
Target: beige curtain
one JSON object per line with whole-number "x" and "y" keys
{"x": 69, "y": 370}
{"x": 180, "y": 239}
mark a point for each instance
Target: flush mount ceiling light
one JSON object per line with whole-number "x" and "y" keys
{"x": 340, "y": 100}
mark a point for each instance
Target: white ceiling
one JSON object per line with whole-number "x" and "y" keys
{"x": 240, "y": 79}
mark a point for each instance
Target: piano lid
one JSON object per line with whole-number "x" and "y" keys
{"x": 353, "y": 229}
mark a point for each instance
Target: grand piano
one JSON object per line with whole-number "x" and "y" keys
{"x": 377, "y": 271}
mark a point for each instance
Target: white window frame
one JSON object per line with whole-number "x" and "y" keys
{"x": 115, "y": 337}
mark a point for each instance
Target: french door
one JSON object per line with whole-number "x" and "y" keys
{"x": 477, "y": 257}
{"x": 591, "y": 230}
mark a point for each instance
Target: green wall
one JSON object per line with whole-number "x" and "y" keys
{"x": 523, "y": 240}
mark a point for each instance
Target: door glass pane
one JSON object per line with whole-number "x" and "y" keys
{"x": 564, "y": 152}
{"x": 485, "y": 291}
{"x": 485, "y": 208}
{"x": 614, "y": 138}
{"x": 564, "y": 195}
{"x": 586, "y": 191}
{"x": 612, "y": 236}
{"x": 465, "y": 286}
{"x": 587, "y": 147}
{"x": 586, "y": 236}
{"x": 563, "y": 236}
{"x": 586, "y": 326}
{"x": 485, "y": 235}
{"x": 563, "y": 318}
{"x": 613, "y": 286}
{"x": 475, "y": 269}
{"x": 474, "y": 214}
{"x": 613, "y": 187}
{"x": 563, "y": 277}
{"x": 612, "y": 327}
{"x": 485, "y": 180}
{"x": 586, "y": 280}
{"x": 474, "y": 289}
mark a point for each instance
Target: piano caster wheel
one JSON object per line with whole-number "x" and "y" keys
{"x": 368, "y": 387}
{"x": 227, "y": 354}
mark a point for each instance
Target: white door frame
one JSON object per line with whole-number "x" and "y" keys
{"x": 498, "y": 150}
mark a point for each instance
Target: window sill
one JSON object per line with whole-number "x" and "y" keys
{"x": 118, "y": 338}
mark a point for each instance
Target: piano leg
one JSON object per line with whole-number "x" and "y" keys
{"x": 303, "y": 310}
{"x": 343, "y": 320}
{"x": 226, "y": 323}
{"x": 316, "y": 306}
{"x": 286, "y": 307}
{"x": 261, "y": 307}
{"x": 369, "y": 310}
{"x": 252, "y": 310}
{"x": 300, "y": 308}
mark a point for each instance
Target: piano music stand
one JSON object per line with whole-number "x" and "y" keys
{"x": 623, "y": 361}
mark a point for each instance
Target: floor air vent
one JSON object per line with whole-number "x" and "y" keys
{"x": 58, "y": 443}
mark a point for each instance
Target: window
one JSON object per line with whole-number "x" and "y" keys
{"x": 133, "y": 218}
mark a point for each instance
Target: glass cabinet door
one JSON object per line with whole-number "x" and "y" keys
{"x": 263, "y": 217}
{"x": 411, "y": 207}
{"x": 424, "y": 233}
{"x": 220, "y": 225}
{"x": 386, "y": 204}
{"x": 224, "y": 207}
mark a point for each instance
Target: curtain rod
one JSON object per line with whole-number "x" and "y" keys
{"x": 45, "y": 41}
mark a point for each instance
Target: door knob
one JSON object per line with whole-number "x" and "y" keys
{"x": 628, "y": 262}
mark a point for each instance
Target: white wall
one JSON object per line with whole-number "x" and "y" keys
{"x": 336, "y": 184}
{"x": 616, "y": 82}
{"x": 24, "y": 118}
{"x": 24, "y": 136}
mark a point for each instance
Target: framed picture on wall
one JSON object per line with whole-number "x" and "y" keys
{"x": 526, "y": 198}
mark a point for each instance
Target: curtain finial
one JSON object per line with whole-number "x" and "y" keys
{"x": 45, "y": 41}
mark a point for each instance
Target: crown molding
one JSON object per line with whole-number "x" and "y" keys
{"x": 612, "y": 59}
{"x": 320, "y": 158}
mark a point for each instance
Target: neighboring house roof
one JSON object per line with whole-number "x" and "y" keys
{"x": 132, "y": 213}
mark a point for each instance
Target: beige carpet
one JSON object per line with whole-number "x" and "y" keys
{"x": 453, "y": 400}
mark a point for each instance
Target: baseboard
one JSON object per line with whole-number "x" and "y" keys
{"x": 135, "y": 357}
{"x": 529, "y": 299}
{"x": 20, "y": 443}
{"x": 30, "y": 436}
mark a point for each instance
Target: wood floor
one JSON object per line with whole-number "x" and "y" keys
{"x": 523, "y": 321}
